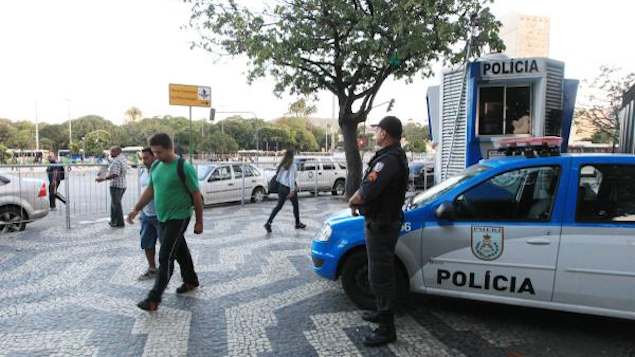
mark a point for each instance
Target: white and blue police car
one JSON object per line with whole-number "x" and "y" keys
{"x": 554, "y": 231}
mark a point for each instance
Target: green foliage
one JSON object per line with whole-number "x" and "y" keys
{"x": 7, "y": 131}
{"x": 96, "y": 142}
{"x": 417, "y": 136}
{"x": 600, "y": 137}
{"x": 349, "y": 48}
{"x": 218, "y": 142}
{"x": 75, "y": 148}
{"x": 4, "y": 155}
{"x": 602, "y": 101}
{"x": 301, "y": 109}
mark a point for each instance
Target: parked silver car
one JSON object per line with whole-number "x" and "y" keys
{"x": 22, "y": 200}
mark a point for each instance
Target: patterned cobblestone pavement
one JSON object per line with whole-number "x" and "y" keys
{"x": 73, "y": 293}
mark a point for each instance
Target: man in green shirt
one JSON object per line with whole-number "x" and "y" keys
{"x": 174, "y": 192}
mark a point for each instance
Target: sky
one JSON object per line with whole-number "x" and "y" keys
{"x": 80, "y": 57}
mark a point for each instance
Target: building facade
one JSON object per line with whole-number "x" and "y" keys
{"x": 525, "y": 35}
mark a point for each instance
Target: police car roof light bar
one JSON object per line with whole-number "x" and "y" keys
{"x": 530, "y": 146}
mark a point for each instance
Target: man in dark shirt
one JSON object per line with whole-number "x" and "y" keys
{"x": 380, "y": 200}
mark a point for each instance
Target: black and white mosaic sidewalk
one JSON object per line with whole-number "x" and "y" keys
{"x": 73, "y": 293}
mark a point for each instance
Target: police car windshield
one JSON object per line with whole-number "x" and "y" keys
{"x": 445, "y": 186}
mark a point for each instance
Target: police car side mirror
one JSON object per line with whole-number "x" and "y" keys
{"x": 445, "y": 211}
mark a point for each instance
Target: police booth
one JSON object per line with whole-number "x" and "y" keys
{"x": 497, "y": 97}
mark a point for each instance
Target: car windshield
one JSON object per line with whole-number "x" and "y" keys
{"x": 203, "y": 170}
{"x": 445, "y": 186}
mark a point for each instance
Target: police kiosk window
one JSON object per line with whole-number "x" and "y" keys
{"x": 526, "y": 194}
{"x": 504, "y": 110}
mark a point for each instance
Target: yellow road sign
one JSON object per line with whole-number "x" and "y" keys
{"x": 189, "y": 95}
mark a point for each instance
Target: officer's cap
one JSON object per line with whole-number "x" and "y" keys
{"x": 392, "y": 125}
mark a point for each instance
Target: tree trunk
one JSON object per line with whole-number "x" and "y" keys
{"x": 353, "y": 159}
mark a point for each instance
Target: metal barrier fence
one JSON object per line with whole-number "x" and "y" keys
{"x": 25, "y": 192}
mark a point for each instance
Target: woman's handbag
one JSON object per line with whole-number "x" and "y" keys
{"x": 273, "y": 183}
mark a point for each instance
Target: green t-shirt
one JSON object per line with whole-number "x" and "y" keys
{"x": 171, "y": 200}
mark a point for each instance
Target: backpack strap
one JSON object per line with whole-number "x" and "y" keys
{"x": 181, "y": 171}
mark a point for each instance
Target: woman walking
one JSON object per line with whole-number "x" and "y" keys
{"x": 286, "y": 179}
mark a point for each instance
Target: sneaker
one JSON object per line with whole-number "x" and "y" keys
{"x": 186, "y": 287}
{"x": 268, "y": 227}
{"x": 148, "y": 305}
{"x": 149, "y": 274}
{"x": 300, "y": 226}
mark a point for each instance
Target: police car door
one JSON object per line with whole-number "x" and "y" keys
{"x": 596, "y": 266}
{"x": 503, "y": 240}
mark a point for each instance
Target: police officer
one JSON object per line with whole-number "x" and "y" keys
{"x": 380, "y": 199}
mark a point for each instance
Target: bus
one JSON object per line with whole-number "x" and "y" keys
{"x": 132, "y": 154}
{"x": 66, "y": 156}
{"x": 27, "y": 156}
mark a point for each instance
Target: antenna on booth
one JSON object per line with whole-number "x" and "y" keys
{"x": 474, "y": 21}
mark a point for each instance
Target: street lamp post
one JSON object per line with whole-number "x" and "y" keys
{"x": 70, "y": 128}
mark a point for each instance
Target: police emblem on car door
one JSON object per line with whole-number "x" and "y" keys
{"x": 487, "y": 242}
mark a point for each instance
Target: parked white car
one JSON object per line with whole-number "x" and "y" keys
{"x": 324, "y": 173}
{"x": 223, "y": 182}
{"x": 21, "y": 201}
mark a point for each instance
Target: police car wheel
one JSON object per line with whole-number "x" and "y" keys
{"x": 355, "y": 281}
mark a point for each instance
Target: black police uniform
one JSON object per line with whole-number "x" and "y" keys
{"x": 384, "y": 190}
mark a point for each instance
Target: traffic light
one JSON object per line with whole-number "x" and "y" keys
{"x": 212, "y": 114}
{"x": 390, "y": 104}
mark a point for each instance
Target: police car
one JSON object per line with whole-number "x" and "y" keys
{"x": 546, "y": 230}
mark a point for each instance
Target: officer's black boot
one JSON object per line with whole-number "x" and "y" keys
{"x": 385, "y": 333}
{"x": 371, "y": 316}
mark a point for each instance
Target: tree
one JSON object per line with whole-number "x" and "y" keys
{"x": 75, "y": 148}
{"x": 304, "y": 140}
{"x": 300, "y": 108}
{"x": 7, "y": 131}
{"x": 56, "y": 133}
{"x": 96, "y": 142}
{"x": 4, "y": 155}
{"x": 603, "y": 100}
{"x": 349, "y": 48}
{"x": 133, "y": 114}
{"x": 218, "y": 142}
{"x": 417, "y": 136}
